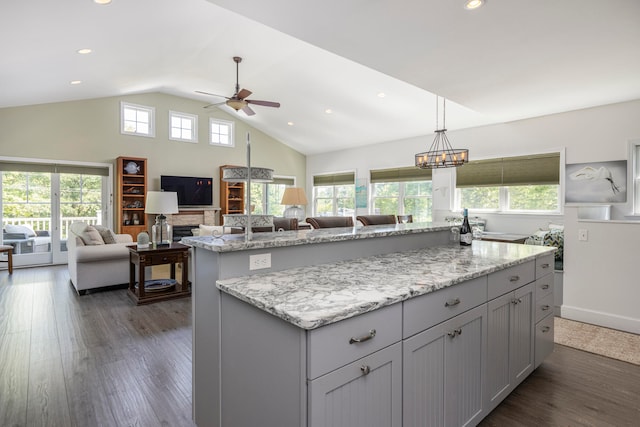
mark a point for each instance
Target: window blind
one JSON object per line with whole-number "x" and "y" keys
{"x": 410, "y": 173}
{"x": 9, "y": 166}
{"x": 540, "y": 169}
{"x": 334, "y": 179}
{"x": 283, "y": 181}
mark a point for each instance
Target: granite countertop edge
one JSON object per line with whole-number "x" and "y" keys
{"x": 284, "y": 294}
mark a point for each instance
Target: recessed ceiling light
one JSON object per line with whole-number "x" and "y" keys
{"x": 328, "y": 111}
{"x": 473, "y": 4}
{"x": 290, "y": 123}
{"x": 84, "y": 51}
{"x": 381, "y": 95}
{"x": 75, "y": 82}
{"x": 102, "y": 1}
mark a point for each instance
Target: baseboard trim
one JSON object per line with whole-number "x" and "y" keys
{"x": 607, "y": 320}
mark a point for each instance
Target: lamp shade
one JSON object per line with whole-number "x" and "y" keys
{"x": 294, "y": 196}
{"x": 161, "y": 202}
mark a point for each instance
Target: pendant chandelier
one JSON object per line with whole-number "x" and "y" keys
{"x": 440, "y": 154}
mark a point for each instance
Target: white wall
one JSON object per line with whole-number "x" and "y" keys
{"x": 590, "y": 135}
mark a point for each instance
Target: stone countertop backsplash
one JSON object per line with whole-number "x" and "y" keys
{"x": 318, "y": 295}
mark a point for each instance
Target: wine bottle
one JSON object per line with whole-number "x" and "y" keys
{"x": 465, "y": 230}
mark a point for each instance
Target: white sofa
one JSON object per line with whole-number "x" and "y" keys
{"x": 98, "y": 265}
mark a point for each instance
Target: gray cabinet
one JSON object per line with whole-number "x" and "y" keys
{"x": 364, "y": 393}
{"x": 444, "y": 372}
{"x": 510, "y": 341}
{"x": 545, "y": 290}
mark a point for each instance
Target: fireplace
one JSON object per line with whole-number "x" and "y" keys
{"x": 180, "y": 231}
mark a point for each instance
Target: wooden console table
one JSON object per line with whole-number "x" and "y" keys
{"x": 175, "y": 253}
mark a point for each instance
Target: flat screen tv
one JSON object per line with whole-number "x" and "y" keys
{"x": 192, "y": 191}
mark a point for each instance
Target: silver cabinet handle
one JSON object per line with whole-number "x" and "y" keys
{"x": 545, "y": 265}
{"x": 372, "y": 333}
{"x": 516, "y": 300}
{"x": 514, "y": 278}
{"x": 455, "y": 332}
{"x": 365, "y": 369}
{"x": 452, "y": 302}
{"x": 545, "y": 329}
{"x": 545, "y": 286}
{"x": 545, "y": 307}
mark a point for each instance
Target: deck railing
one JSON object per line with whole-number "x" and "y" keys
{"x": 45, "y": 223}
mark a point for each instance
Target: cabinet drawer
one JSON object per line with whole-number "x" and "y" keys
{"x": 544, "y": 339}
{"x": 425, "y": 311}
{"x": 544, "y": 307}
{"x": 335, "y": 345}
{"x": 544, "y": 286}
{"x": 544, "y": 265}
{"x": 164, "y": 258}
{"x": 511, "y": 278}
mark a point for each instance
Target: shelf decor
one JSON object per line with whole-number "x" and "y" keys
{"x": 247, "y": 174}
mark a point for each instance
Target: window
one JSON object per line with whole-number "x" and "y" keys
{"x": 510, "y": 184}
{"x": 334, "y": 194}
{"x": 137, "y": 120}
{"x": 402, "y": 191}
{"x": 221, "y": 133}
{"x": 183, "y": 127}
{"x": 266, "y": 197}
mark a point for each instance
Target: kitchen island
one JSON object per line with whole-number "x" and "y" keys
{"x": 339, "y": 323}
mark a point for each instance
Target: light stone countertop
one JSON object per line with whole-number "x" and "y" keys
{"x": 318, "y": 295}
{"x": 236, "y": 242}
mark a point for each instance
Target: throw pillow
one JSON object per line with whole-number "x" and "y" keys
{"x": 91, "y": 237}
{"x": 108, "y": 236}
{"x": 26, "y": 229}
{"x": 209, "y": 230}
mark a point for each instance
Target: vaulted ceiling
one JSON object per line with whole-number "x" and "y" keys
{"x": 506, "y": 61}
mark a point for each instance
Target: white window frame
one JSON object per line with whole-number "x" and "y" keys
{"x": 230, "y": 124}
{"x": 334, "y": 200}
{"x": 184, "y": 116}
{"x": 634, "y": 172}
{"x": 266, "y": 206}
{"x": 401, "y": 197}
{"x": 151, "y": 111}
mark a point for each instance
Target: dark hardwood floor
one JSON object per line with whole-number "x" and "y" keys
{"x": 98, "y": 360}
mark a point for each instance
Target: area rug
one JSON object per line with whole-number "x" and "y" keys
{"x": 607, "y": 342}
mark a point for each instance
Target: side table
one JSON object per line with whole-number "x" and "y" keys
{"x": 175, "y": 253}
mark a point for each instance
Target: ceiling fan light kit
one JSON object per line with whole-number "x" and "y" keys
{"x": 238, "y": 101}
{"x": 441, "y": 154}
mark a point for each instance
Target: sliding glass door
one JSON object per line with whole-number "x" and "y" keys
{"x": 40, "y": 200}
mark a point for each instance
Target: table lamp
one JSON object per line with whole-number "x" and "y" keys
{"x": 294, "y": 196}
{"x": 160, "y": 203}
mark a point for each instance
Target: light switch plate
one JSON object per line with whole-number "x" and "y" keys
{"x": 583, "y": 234}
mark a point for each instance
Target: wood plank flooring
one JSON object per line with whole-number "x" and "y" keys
{"x": 98, "y": 360}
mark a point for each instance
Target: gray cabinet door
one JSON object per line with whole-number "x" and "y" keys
{"x": 510, "y": 340}
{"x": 523, "y": 333}
{"x": 365, "y": 393}
{"x": 443, "y": 372}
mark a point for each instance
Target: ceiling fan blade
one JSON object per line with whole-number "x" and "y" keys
{"x": 211, "y": 94}
{"x": 248, "y": 111}
{"x": 215, "y": 105}
{"x": 263, "y": 103}
{"x": 244, "y": 93}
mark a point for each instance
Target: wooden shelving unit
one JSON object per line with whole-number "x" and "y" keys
{"x": 231, "y": 196}
{"x": 130, "y": 195}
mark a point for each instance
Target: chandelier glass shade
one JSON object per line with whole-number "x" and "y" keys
{"x": 441, "y": 154}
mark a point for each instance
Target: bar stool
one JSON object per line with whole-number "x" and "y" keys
{"x": 9, "y": 251}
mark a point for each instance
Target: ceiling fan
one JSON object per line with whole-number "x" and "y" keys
{"x": 239, "y": 99}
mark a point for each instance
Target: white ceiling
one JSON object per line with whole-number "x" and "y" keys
{"x": 509, "y": 60}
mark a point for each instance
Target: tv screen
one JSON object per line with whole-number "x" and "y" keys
{"x": 192, "y": 191}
